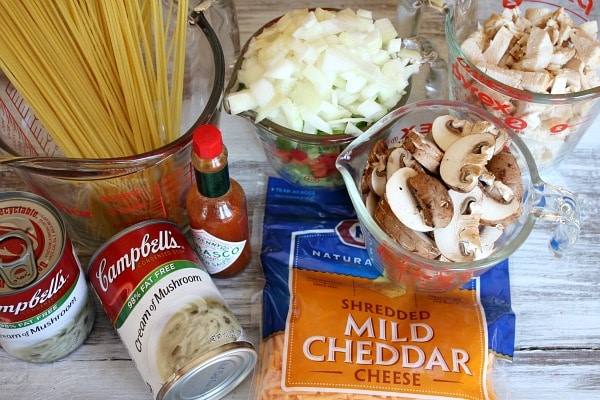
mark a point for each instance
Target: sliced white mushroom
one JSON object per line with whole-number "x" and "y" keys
{"x": 460, "y": 241}
{"x": 432, "y": 198}
{"x": 402, "y": 202}
{"x": 397, "y": 158}
{"x": 465, "y": 160}
{"x": 494, "y": 212}
{"x": 413, "y": 241}
{"x": 424, "y": 151}
{"x": 371, "y": 202}
{"x": 378, "y": 181}
{"x": 488, "y": 237}
{"x": 376, "y": 163}
{"x": 507, "y": 181}
{"x": 499, "y": 191}
{"x": 446, "y": 131}
{"x": 417, "y": 208}
{"x": 501, "y": 135}
{"x": 501, "y": 140}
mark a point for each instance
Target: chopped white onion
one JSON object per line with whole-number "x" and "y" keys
{"x": 319, "y": 70}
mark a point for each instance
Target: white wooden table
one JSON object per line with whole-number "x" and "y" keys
{"x": 556, "y": 301}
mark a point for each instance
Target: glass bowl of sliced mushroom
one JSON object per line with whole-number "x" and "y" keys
{"x": 444, "y": 191}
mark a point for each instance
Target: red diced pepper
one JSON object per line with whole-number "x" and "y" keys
{"x": 283, "y": 155}
{"x": 298, "y": 155}
{"x": 319, "y": 170}
{"x": 328, "y": 160}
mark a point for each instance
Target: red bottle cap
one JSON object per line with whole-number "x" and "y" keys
{"x": 208, "y": 141}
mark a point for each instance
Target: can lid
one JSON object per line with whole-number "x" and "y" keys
{"x": 34, "y": 239}
{"x": 212, "y": 376}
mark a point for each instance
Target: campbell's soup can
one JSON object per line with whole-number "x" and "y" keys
{"x": 178, "y": 329}
{"x": 46, "y": 310}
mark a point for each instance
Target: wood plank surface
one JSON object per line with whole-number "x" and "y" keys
{"x": 556, "y": 301}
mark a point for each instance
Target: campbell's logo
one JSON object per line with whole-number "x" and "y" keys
{"x": 350, "y": 233}
{"x": 149, "y": 246}
{"x": 38, "y": 298}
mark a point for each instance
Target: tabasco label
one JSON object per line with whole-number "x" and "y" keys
{"x": 216, "y": 254}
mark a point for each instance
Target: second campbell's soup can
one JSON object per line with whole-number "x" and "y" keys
{"x": 46, "y": 309}
{"x": 185, "y": 341}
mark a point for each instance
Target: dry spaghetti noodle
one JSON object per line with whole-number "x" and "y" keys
{"x": 105, "y": 77}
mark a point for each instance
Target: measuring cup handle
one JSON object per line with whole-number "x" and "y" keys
{"x": 408, "y": 17}
{"x": 436, "y": 80}
{"x": 409, "y": 12}
{"x": 558, "y": 205}
{"x": 222, "y": 16}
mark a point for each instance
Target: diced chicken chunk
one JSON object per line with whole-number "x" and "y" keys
{"x": 498, "y": 46}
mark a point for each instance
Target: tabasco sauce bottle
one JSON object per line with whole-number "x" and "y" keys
{"x": 217, "y": 207}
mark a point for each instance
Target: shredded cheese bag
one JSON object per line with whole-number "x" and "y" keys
{"x": 333, "y": 328}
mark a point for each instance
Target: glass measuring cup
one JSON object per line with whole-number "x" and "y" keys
{"x": 99, "y": 197}
{"x": 541, "y": 201}
{"x": 551, "y": 124}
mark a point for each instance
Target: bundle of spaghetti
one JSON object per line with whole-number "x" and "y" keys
{"x": 104, "y": 77}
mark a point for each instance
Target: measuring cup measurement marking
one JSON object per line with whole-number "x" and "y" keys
{"x": 73, "y": 211}
{"x": 29, "y": 121}
{"x": 586, "y": 6}
{"x": 488, "y": 82}
{"x": 160, "y": 196}
{"x": 515, "y": 123}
